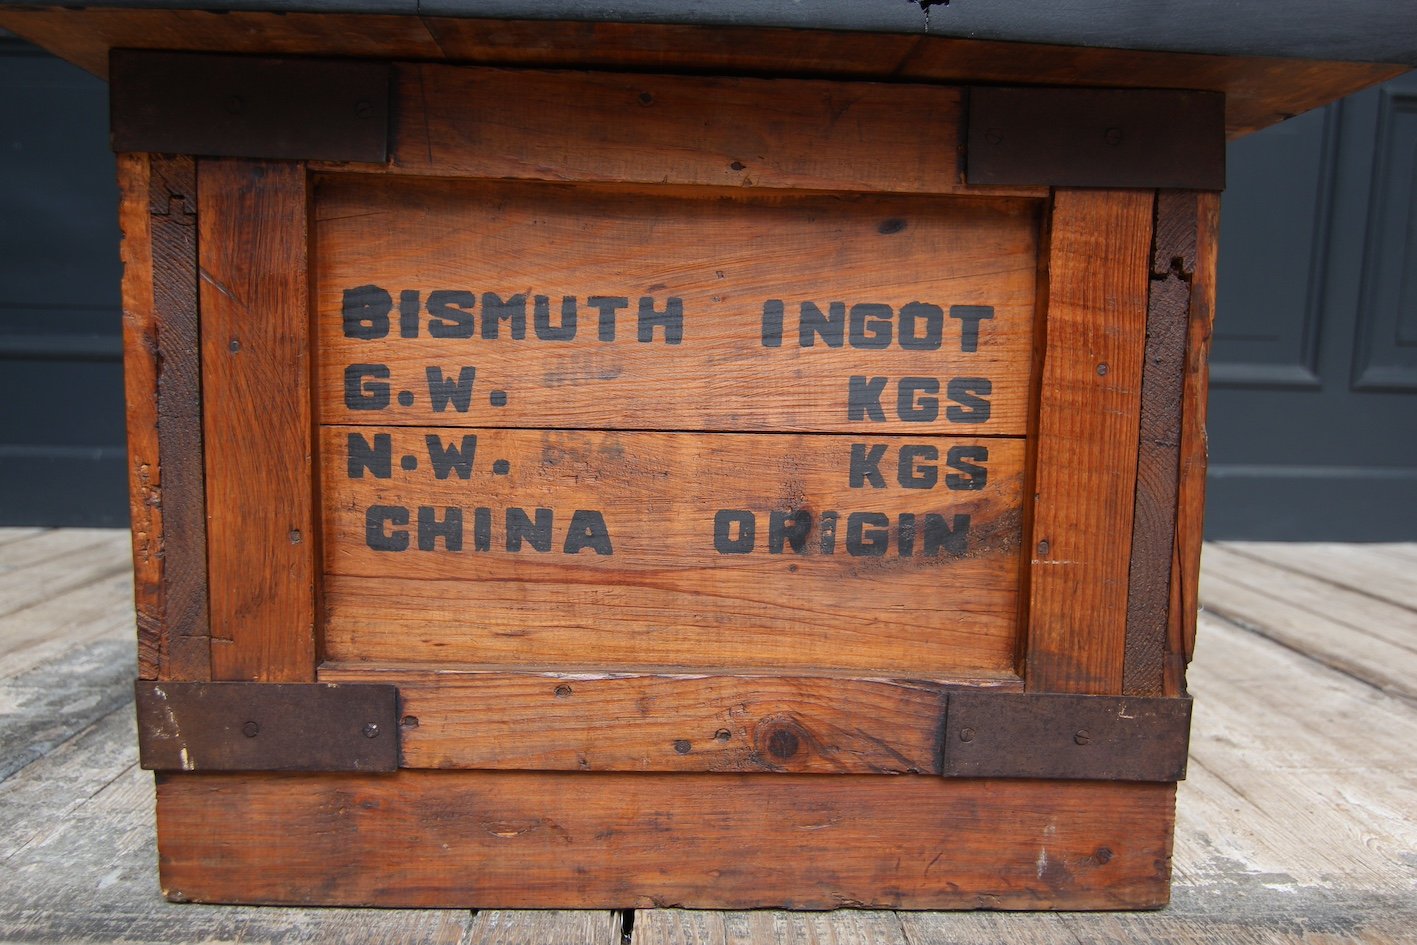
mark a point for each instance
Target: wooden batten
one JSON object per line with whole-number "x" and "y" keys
{"x": 256, "y": 419}
{"x": 537, "y": 839}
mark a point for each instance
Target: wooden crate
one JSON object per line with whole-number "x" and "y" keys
{"x": 630, "y": 490}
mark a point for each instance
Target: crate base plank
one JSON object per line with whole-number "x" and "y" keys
{"x": 523, "y": 839}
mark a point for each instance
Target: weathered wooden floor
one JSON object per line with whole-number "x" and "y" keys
{"x": 1298, "y": 823}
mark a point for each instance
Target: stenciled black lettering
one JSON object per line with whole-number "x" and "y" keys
{"x": 871, "y": 325}
{"x": 969, "y": 318}
{"x": 409, "y": 311}
{"x": 905, "y": 534}
{"x": 826, "y": 533}
{"x": 447, "y": 459}
{"x": 912, "y": 408}
{"x": 725, "y": 541}
{"x": 365, "y": 386}
{"x": 521, "y": 527}
{"x": 607, "y": 306}
{"x": 377, "y": 458}
{"x": 971, "y": 395}
{"x": 812, "y": 324}
{"x": 450, "y": 313}
{"x": 588, "y": 531}
{"x": 365, "y": 312}
{"x": 952, "y": 538}
{"x": 867, "y": 542}
{"x": 863, "y": 398}
{"x": 496, "y": 310}
{"x": 541, "y": 319}
{"x": 482, "y": 529}
{"x": 443, "y": 391}
{"x": 789, "y": 528}
{"x": 915, "y": 338}
{"x": 866, "y": 465}
{"x": 970, "y": 461}
{"x": 380, "y": 538}
{"x": 911, "y": 473}
{"x": 431, "y": 529}
{"x": 772, "y": 323}
{"x": 671, "y": 320}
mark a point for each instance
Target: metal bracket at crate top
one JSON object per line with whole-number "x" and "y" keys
{"x": 1074, "y": 137}
{"x": 1064, "y": 736}
{"x": 250, "y": 726}
{"x": 249, "y": 106}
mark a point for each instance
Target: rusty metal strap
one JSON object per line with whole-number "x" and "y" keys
{"x": 249, "y": 107}
{"x": 245, "y": 726}
{"x": 1096, "y": 138}
{"x": 1064, "y": 736}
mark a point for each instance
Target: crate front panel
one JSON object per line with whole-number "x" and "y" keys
{"x": 640, "y": 428}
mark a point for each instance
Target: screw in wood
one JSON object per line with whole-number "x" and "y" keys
{"x": 1082, "y": 738}
{"x": 966, "y": 734}
{"x": 250, "y": 729}
{"x": 371, "y": 730}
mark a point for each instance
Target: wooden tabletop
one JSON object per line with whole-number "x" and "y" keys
{"x": 1298, "y": 823}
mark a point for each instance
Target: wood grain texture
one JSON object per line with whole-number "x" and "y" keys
{"x": 591, "y": 840}
{"x": 1260, "y": 91}
{"x": 1173, "y": 254}
{"x": 767, "y": 927}
{"x": 562, "y": 927}
{"x": 733, "y": 132}
{"x": 1369, "y": 639}
{"x": 256, "y": 413}
{"x": 1087, "y": 438}
{"x": 597, "y": 721}
{"x": 685, "y": 569}
{"x": 1193, "y": 456}
{"x": 141, "y": 364}
{"x": 723, "y": 255}
{"x": 185, "y": 619}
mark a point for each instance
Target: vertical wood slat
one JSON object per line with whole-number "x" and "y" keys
{"x": 1173, "y": 261}
{"x": 1190, "y": 505}
{"x": 162, "y": 385}
{"x": 1088, "y": 425}
{"x": 140, "y": 367}
{"x": 257, "y": 418}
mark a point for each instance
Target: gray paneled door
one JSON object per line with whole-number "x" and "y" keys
{"x": 62, "y": 459}
{"x": 1313, "y": 411}
{"x": 1313, "y": 407}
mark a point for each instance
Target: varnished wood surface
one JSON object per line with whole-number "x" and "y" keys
{"x": 1089, "y": 417}
{"x": 591, "y": 721}
{"x": 1259, "y": 91}
{"x": 723, "y": 254}
{"x": 649, "y": 557}
{"x": 1292, "y": 827}
{"x": 494, "y": 123}
{"x": 256, "y": 419}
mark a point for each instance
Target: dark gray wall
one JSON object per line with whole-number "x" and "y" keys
{"x": 1313, "y": 410}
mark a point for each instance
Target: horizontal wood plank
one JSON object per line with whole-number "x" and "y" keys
{"x": 596, "y": 307}
{"x": 573, "y": 840}
{"x": 728, "y": 550}
{"x": 598, "y": 721}
{"x": 751, "y": 133}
